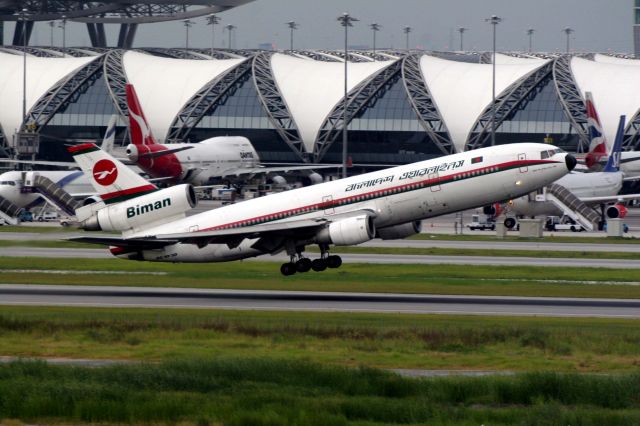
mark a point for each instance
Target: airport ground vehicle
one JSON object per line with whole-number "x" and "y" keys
{"x": 25, "y": 216}
{"x": 562, "y": 223}
{"x": 47, "y": 216}
{"x": 482, "y": 222}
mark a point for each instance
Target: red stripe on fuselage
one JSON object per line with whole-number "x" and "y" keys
{"x": 346, "y": 200}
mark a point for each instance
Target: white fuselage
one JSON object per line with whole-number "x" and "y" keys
{"x": 12, "y": 186}
{"x": 216, "y": 157}
{"x": 394, "y": 196}
{"x": 582, "y": 185}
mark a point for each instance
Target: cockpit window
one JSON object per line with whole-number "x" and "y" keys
{"x": 8, "y": 182}
{"x": 544, "y": 155}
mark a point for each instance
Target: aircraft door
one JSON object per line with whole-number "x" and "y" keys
{"x": 433, "y": 177}
{"x": 523, "y": 157}
{"x": 327, "y": 204}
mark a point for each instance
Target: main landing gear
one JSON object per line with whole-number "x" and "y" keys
{"x": 302, "y": 264}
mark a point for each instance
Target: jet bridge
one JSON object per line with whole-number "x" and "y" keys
{"x": 571, "y": 206}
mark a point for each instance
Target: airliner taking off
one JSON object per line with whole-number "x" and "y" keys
{"x": 195, "y": 163}
{"x": 388, "y": 204}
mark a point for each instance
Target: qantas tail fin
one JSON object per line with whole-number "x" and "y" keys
{"x": 598, "y": 144}
{"x": 111, "y": 179}
{"x": 138, "y": 125}
{"x": 613, "y": 163}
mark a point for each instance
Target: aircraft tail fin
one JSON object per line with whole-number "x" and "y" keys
{"x": 138, "y": 125}
{"x": 613, "y": 163}
{"x": 111, "y": 179}
{"x": 110, "y": 135}
{"x": 598, "y": 143}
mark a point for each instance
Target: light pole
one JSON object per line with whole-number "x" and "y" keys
{"x": 530, "y": 32}
{"x": 51, "y": 24}
{"x": 230, "y": 28}
{"x": 293, "y": 25}
{"x": 406, "y": 31}
{"x": 493, "y": 20}
{"x": 568, "y": 32}
{"x": 187, "y": 24}
{"x": 375, "y": 27}
{"x": 213, "y": 20}
{"x": 346, "y": 21}
{"x": 461, "y": 30}
{"x": 63, "y": 25}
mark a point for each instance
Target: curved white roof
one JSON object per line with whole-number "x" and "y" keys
{"x": 502, "y": 59}
{"x": 599, "y": 57}
{"x": 164, "y": 85}
{"x": 462, "y": 90}
{"x": 42, "y": 74}
{"x": 615, "y": 88}
{"x": 312, "y": 89}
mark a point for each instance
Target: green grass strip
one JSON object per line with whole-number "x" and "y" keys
{"x": 283, "y": 392}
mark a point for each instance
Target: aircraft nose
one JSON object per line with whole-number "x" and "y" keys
{"x": 571, "y": 161}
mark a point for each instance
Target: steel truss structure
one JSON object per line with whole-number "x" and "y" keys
{"x": 116, "y": 80}
{"x": 275, "y": 105}
{"x": 631, "y": 141}
{"x": 423, "y": 104}
{"x": 514, "y": 96}
{"x": 33, "y": 51}
{"x": 207, "y": 99}
{"x": 312, "y": 54}
{"x": 358, "y": 98}
{"x": 59, "y": 96}
{"x": 339, "y": 54}
{"x": 571, "y": 99}
{"x": 172, "y": 53}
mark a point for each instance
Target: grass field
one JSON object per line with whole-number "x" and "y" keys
{"x": 282, "y": 392}
{"x": 348, "y": 339}
{"x": 432, "y": 279}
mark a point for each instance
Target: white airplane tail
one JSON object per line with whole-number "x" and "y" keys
{"x": 110, "y": 135}
{"x": 111, "y": 179}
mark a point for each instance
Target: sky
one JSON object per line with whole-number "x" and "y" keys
{"x": 600, "y": 25}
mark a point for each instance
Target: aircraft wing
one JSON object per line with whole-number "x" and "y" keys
{"x": 135, "y": 243}
{"x": 267, "y": 170}
{"x": 164, "y": 152}
{"x": 610, "y": 198}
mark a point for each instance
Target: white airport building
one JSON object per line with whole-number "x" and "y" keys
{"x": 402, "y": 106}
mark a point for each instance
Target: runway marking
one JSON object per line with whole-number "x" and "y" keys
{"x": 307, "y": 309}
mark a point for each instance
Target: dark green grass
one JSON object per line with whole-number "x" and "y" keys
{"x": 558, "y": 237}
{"x": 265, "y": 391}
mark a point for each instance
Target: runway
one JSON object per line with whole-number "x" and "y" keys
{"x": 66, "y": 253}
{"x": 88, "y": 296}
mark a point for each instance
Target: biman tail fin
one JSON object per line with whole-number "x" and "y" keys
{"x": 111, "y": 179}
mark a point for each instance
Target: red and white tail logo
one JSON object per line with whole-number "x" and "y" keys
{"x": 598, "y": 143}
{"x": 105, "y": 172}
{"x": 140, "y": 131}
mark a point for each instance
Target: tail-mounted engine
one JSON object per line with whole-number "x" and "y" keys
{"x": 349, "y": 231}
{"x": 157, "y": 207}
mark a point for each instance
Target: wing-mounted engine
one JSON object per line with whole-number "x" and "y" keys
{"x": 348, "y": 231}
{"x": 399, "y": 232}
{"x": 140, "y": 212}
{"x": 616, "y": 211}
{"x": 132, "y": 153}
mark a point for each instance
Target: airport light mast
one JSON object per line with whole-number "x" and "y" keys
{"x": 375, "y": 27}
{"x": 346, "y": 21}
{"x": 293, "y": 25}
{"x": 493, "y": 20}
{"x": 213, "y": 20}
{"x": 63, "y": 26}
{"x": 230, "y": 28}
{"x": 461, "y": 30}
{"x": 51, "y": 24}
{"x": 530, "y": 32}
{"x": 23, "y": 17}
{"x": 568, "y": 32}
{"x": 406, "y": 31}
{"x": 188, "y": 23}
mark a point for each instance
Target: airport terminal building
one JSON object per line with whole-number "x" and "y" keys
{"x": 402, "y": 106}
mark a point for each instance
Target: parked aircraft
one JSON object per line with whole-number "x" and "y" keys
{"x": 388, "y": 203}
{"x": 196, "y": 163}
{"x": 595, "y": 189}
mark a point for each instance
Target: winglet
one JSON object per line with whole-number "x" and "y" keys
{"x": 613, "y": 163}
{"x": 111, "y": 179}
{"x": 138, "y": 124}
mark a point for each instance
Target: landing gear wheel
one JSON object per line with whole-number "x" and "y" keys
{"x": 318, "y": 265}
{"x": 303, "y": 265}
{"x": 334, "y": 261}
{"x": 288, "y": 269}
{"x": 509, "y": 222}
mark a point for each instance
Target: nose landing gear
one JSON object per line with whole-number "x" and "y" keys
{"x": 302, "y": 264}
